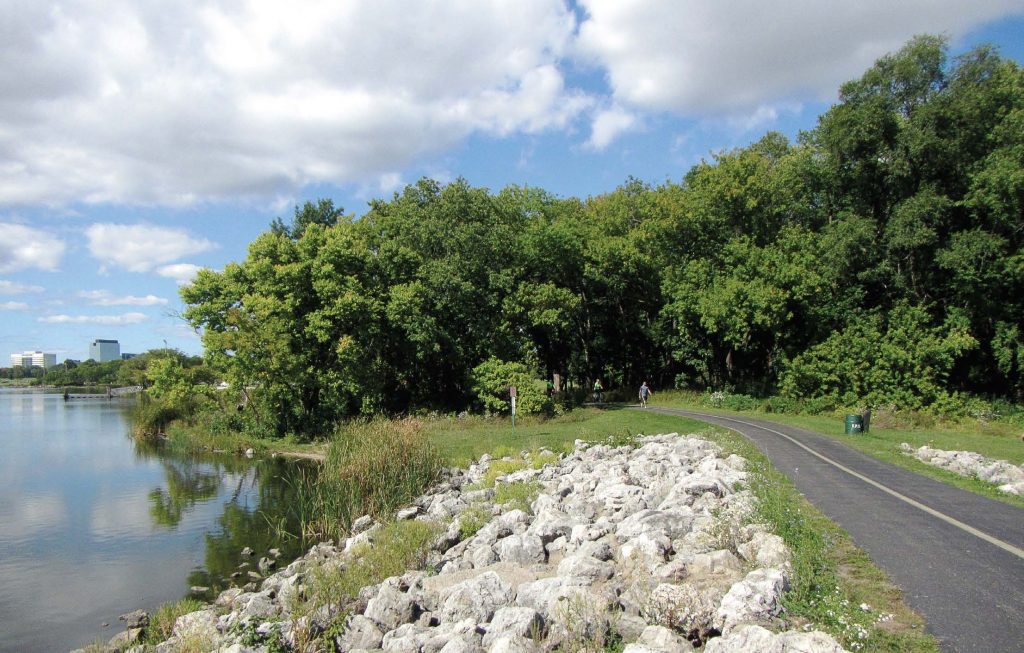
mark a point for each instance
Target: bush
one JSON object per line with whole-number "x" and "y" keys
{"x": 491, "y": 381}
{"x": 150, "y": 417}
{"x": 898, "y": 358}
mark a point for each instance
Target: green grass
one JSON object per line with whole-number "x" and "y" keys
{"x": 992, "y": 439}
{"x": 162, "y": 621}
{"x": 517, "y": 495}
{"x": 461, "y": 442}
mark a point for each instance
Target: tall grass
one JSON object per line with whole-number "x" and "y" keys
{"x": 372, "y": 468}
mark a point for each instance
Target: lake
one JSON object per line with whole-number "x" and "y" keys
{"x": 93, "y": 524}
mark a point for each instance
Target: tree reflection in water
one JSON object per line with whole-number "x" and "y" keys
{"x": 259, "y": 509}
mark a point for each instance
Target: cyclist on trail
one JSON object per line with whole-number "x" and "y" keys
{"x": 598, "y": 392}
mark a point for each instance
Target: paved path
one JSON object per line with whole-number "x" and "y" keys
{"x": 958, "y": 556}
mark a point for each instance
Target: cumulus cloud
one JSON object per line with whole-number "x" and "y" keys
{"x": 699, "y": 57}
{"x": 122, "y": 101}
{"x": 15, "y": 288}
{"x": 140, "y": 247}
{"x": 13, "y": 306}
{"x": 608, "y": 124}
{"x": 24, "y": 247}
{"x": 106, "y": 298}
{"x": 182, "y": 273}
{"x": 110, "y": 320}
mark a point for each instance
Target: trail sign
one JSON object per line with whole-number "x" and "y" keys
{"x": 512, "y": 391}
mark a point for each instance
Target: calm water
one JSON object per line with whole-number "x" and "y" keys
{"x": 93, "y": 525}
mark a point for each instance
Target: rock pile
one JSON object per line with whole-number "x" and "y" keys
{"x": 651, "y": 546}
{"x": 1008, "y": 477}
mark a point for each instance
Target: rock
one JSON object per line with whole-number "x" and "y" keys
{"x": 121, "y": 641}
{"x": 360, "y": 633}
{"x": 684, "y": 607}
{"x": 274, "y": 553}
{"x": 257, "y": 607}
{"x": 476, "y": 598}
{"x": 551, "y": 523}
{"x": 514, "y": 644}
{"x": 659, "y": 638}
{"x": 406, "y": 638}
{"x": 513, "y": 621}
{"x": 135, "y": 619}
{"x": 201, "y": 624}
{"x": 266, "y": 564}
{"x": 586, "y": 567}
{"x": 751, "y": 637}
{"x": 765, "y": 550}
{"x": 521, "y": 549}
{"x": 407, "y": 513}
{"x": 228, "y": 596}
{"x": 361, "y": 524}
{"x": 250, "y": 452}
{"x": 755, "y": 599}
{"x": 390, "y": 608}
{"x": 247, "y": 551}
{"x": 198, "y": 590}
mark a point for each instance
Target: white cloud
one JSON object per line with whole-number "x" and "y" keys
{"x": 23, "y": 247}
{"x": 13, "y": 306}
{"x": 139, "y": 247}
{"x": 15, "y": 288}
{"x": 182, "y": 273}
{"x": 122, "y": 101}
{"x": 126, "y": 318}
{"x": 701, "y": 57}
{"x": 608, "y": 124}
{"x": 106, "y": 298}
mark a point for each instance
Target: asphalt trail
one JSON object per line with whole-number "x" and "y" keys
{"x": 957, "y": 556}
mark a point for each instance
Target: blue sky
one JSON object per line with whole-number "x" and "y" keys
{"x": 141, "y": 141}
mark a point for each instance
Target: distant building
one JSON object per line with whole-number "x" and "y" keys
{"x": 33, "y": 359}
{"x": 102, "y": 351}
{"x": 128, "y": 357}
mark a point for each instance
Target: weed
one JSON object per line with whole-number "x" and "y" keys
{"x": 162, "y": 621}
{"x": 517, "y": 495}
{"x": 472, "y": 519}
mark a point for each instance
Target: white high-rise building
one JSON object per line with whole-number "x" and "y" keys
{"x": 33, "y": 359}
{"x": 102, "y": 351}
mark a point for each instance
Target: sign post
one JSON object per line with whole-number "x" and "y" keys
{"x": 512, "y": 395}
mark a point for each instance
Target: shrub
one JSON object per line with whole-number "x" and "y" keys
{"x": 492, "y": 378}
{"x": 517, "y": 495}
{"x": 897, "y": 358}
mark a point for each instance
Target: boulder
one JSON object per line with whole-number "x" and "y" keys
{"x": 755, "y": 599}
{"x": 390, "y": 608}
{"x": 476, "y": 598}
{"x": 360, "y": 632}
{"x": 512, "y": 620}
{"x": 521, "y": 549}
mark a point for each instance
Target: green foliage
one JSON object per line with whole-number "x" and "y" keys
{"x": 491, "y": 381}
{"x": 472, "y": 519}
{"x": 900, "y": 359}
{"x": 372, "y": 468}
{"x": 162, "y": 621}
{"x": 519, "y": 495}
{"x": 888, "y": 239}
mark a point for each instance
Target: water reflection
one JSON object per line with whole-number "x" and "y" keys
{"x": 93, "y": 525}
{"x": 257, "y": 510}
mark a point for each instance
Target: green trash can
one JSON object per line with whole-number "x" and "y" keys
{"x": 854, "y": 424}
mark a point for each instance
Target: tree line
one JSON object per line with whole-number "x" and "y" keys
{"x": 876, "y": 260}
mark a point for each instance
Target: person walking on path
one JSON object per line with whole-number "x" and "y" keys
{"x": 645, "y": 393}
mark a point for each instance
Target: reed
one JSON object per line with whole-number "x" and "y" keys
{"x": 372, "y": 468}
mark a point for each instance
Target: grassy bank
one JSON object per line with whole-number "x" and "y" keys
{"x": 375, "y": 467}
{"x": 992, "y": 439}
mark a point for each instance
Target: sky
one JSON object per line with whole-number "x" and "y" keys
{"x": 143, "y": 140}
